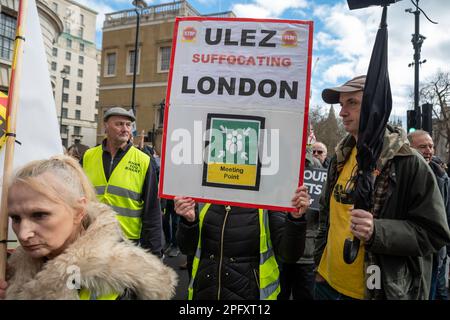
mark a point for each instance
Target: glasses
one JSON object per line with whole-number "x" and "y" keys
{"x": 317, "y": 151}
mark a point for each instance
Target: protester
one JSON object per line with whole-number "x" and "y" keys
{"x": 400, "y": 234}
{"x": 125, "y": 179}
{"x": 297, "y": 279}
{"x": 320, "y": 152}
{"x": 423, "y": 143}
{"x": 71, "y": 245}
{"x": 235, "y": 248}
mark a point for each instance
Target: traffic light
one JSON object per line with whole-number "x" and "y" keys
{"x": 411, "y": 120}
{"x": 427, "y": 122}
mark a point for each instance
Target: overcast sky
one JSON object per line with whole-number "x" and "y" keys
{"x": 343, "y": 39}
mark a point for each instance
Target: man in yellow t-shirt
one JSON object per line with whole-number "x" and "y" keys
{"x": 395, "y": 257}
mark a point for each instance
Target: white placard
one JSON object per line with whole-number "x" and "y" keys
{"x": 236, "y": 113}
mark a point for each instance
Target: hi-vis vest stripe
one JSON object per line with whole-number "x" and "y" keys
{"x": 269, "y": 274}
{"x": 85, "y": 294}
{"x": 123, "y": 191}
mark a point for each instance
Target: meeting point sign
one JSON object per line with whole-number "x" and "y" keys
{"x": 237, "y": 109}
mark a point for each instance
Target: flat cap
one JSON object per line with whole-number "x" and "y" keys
{"x": 118, "y": 111}
{"x": 331, "y": 95}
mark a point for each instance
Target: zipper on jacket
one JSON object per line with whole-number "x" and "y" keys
{"x": 219, "y": 274}
{"x": 110, "y": 167}
{"x": 255, "y": 273}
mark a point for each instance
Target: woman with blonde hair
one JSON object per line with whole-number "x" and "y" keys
{"x": 71, "y": 245}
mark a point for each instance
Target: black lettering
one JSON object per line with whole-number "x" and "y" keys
{"x": 284, "y": 87}
{"x": 184, "y": 88}
{"x": 251, "y": 89}
{"x": 228, "y": 41}
{"x": 212, "y": 85}
{"x": 208, "y": 37}
{"x": 229, "y": 87}
{"x": 272, "y": 91}
{"x": 270, "y": 35}
{"x": 246, "y": 36}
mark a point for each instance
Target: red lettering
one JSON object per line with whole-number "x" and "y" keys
{"x": 286, "y": 62}
{"x": 231, "y": 59}
{"x": 195, "y": 58}
{"x": 251, "y": 61}
{"x": 222, "y": 57}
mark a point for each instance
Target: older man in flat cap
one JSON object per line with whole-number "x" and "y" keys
{"x": 125, "y": 179}
{"x": 406, "y": 225}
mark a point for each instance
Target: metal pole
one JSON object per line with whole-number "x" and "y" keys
{"x": 417, "y": 43}
{"x": 135, "y": 61}
{"x": 62, "y": 102}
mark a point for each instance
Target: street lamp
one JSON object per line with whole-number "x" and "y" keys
{"x": 138, "y": 4}
{"x": 64, "y": 75}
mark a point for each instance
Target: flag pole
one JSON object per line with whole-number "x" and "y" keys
{"x": 13, "y": 99}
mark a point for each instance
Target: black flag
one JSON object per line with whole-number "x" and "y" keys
{"x": 375, "y": 111}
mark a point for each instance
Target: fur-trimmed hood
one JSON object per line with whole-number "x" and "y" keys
{"x": 99, "y": 260}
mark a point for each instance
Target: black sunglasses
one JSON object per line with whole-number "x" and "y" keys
{"x": 317, "y": 151}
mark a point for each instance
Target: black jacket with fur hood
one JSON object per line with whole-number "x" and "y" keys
{"x": 104, "y": 261}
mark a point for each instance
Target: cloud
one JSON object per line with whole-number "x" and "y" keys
{"x": 267, "y": 9}
{"x": 348, "y": 37}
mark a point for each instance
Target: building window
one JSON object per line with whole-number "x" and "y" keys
{"x": 69, "y": 43}
{"x": 68, "y": 56}
{"x": 7, "y": 36}
{"x": 67, "y": 69}
{"x": 78, "y": 112}
{"x": 79, "y": 86}
{"x": 65, "y": 99}
{"x": 80, "y": 73}
{"x": 64, "y": 128}
{"x": 55, "y": 52}
{"x": 82, "y": 47}
{"x": 64, "y": 113}
{"x": 81, "y": 19}
{"x": 54, "y": 66}
{"x": 81, "y": 60}
{"x": 130, "y": 64}
{"x": 55, "y": 7}
{"x": 110, "y": 64}
{"x": 164, "y": 59}
{"x": 67, "y": 27}
{"x": 96, "y": 117}
{"x": 76, "y": 130}
{"x": 80, "y": 32}
{"x": 66, "y": 83}
{"x": 78, "y": 102}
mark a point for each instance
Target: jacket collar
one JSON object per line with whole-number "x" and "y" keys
{"x": 395, "y": 144}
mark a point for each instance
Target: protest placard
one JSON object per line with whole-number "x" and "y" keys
{"x": 314, "y": 180}
{"x": 236, "y": 113}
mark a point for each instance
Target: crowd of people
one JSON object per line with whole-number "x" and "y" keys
{"x": 91, "y": 225}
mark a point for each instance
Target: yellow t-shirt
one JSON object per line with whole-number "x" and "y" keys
{"x": 348, "y": 279}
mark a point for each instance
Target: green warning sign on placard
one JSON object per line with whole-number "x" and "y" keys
{"x": 233, "y": 151}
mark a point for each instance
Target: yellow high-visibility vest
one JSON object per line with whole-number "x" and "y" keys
{"x": 123, "y": 190}
{"x": 269, "y": 274}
